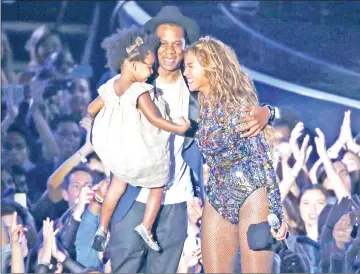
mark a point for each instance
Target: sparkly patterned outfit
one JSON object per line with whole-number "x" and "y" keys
{"x": 238, "y": 166}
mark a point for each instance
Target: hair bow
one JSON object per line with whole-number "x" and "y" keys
{"x": 138, "y": 42}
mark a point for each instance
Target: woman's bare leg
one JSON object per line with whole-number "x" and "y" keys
{"x": 254, "y": 210}
{"x": 219, "y": 243}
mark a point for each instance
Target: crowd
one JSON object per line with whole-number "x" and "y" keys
{"x": 50, "y": 174}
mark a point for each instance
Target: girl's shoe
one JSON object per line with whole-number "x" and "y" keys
{"x": 148, "y": 238}
{"x": 99, "y": 243}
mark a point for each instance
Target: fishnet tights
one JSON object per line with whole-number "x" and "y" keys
{"x": 221, "y": 239}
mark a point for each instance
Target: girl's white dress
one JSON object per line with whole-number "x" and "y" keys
{"x": 134, "y": 150}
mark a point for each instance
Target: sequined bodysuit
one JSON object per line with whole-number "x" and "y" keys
{"x": 238, "y": 166}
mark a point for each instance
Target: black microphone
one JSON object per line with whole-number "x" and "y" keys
{"x": 274, "y": 222}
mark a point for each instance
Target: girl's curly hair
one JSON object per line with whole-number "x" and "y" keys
{"x": 131, "y": 44}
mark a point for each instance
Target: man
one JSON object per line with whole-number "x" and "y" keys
{"x": 77, "y": 178}
{"x": 80, "y": 98}
{"x": 76, "y": 190}
{"x": 57, "y": 146}
{"x": 128, "y": 252}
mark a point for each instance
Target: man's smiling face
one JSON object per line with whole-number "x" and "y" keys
{"x": 172, "y": 44}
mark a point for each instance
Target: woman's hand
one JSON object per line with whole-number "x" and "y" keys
{"x": 48, "y": 236}
{"x": 282, "y": 232}
{"x": 345, "y": 134}
{"x": 56, "y": 253}
{"x": 302, "y": 157}
{"x": 294, "y": 136}
{"x": 320, "y": 144}
{"x": 342, "y": 231}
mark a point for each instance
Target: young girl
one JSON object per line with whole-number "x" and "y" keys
{"x": 129, "y": 133}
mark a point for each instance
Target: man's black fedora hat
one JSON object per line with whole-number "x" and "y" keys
{"x": 173, "y": 15}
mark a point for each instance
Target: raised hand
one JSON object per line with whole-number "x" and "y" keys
{"x": 302, "y": 157}
{"x": 52, "y": 109}
{"x": 85, "y": 197}
{"x": 19, "y": 248}
{"x": 48, "y": 236}
{"x": 12, "y": 110}
{"x": 56, "y": 253}
{"x": 342, "y": 231}
{"x": 17, "y": 231}
{"x": 36, "y": 91}
{"x": 294, "y": 136}
{"x": 345, "y": 130}
{"x": 320, "y": 144}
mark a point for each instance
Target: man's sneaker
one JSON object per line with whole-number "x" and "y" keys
{"x": 147, "y": 237}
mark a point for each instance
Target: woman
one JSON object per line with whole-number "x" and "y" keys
{"x": 242, "y": 183}
{"x": 312, "y": 201}
{"x": 352, "y": 162}
{"x": 16, "y": 149}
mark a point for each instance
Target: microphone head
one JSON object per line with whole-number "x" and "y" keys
{"x": 273, "y": 221}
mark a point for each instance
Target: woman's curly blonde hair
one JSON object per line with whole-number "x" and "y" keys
{"x": 229, "y": 84}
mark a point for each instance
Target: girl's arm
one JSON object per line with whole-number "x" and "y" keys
{"x": 95, "y": 106}
{"x": 152, "y": 114}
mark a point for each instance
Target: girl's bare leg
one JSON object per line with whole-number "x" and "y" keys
{"x": 152, "y": 207}
{"x": 115, "y": 192}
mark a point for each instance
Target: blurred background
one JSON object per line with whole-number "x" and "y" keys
{"x": 313, "y": 45}
{"x": 304, "y": 58}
